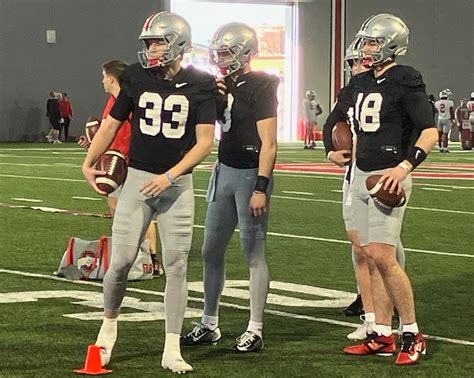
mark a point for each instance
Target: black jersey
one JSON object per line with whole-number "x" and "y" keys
{"x": 165, "y": 114}
{"x": 252, "y": 98}
{"x": 390, "y": 112}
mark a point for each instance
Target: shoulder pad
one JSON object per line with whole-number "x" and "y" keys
{"x": 406, "y": 76}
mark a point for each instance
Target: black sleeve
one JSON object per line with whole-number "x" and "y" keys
{"x": 266, "y": 101}
{"x": 206, "y": 111}
{"x": 419, "y": 110}
{"x": 123, "y": 106}
{"x": 338, "y": 114}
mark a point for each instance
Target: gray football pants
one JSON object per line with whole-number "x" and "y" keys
{"x": 228, "y": 208}
{"x": 174, "y": 211}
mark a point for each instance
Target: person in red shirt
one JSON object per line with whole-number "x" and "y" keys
{"x": 65, "y": 109}
{"x": 111, "y": 72}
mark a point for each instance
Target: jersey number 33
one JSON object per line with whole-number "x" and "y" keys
{"x": 178, "y": 105}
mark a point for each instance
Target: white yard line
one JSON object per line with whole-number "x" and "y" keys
{"x": 224, "y": 304}
{"x": 88, "y": 198}
{"x": 436, "y": 189}
{"x": 301, "y": 193}
{"x": 27, "y": 200}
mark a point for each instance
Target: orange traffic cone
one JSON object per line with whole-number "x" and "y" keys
{"x": 93, "y": 365}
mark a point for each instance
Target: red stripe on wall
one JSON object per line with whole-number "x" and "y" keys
{"x": 337, "y": 48}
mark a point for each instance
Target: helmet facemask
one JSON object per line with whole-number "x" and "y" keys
{"x": 375, "y": 58}
{"x": 167, "y": 56}
{"x": 226, "y": 59}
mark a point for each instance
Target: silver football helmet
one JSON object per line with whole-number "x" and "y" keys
{"x": 170, "y": 28}
{"x": 390, "y": 33}
{"x": 232, "y": 46}
{"x": 449, "y": 93}
{"x": 352, "y": 57}
{"x": 443, "y": 94}
{"x": 311, "y": 95}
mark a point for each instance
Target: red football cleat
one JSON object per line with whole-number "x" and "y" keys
{"x": 374, "y": 344}
{"x": 413, "y": 346}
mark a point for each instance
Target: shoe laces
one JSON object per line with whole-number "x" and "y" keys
{"x": 198, "y": 329}
{"x": 246, "y": 339}
{"x": 408, "y": 342}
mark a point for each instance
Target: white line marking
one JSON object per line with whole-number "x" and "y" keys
{"x": 88, "y": 198}
{"x": 301, "y": 193}
{"x": 336, "y": 190}
{"x": 436, "y": 189}
{"x": 273, "y": 196}
{"x": 230, "y": 305}
{"x": 27, "y": 200}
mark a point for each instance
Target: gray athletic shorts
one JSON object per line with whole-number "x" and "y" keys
{"x": 347, "y": 206}
{"x": 444, "y": 125}
{"x": 374, "y": 223}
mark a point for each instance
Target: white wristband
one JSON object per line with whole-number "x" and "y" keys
{"x": 170, "y": 177}
{"x": 329, "y": 155}
{"x": 405, "y": 167}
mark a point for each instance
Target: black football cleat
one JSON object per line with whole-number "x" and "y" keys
{"x": 248, "y": 342}
{"x": 355, "y": 308}
{"x": 201, "y": 335}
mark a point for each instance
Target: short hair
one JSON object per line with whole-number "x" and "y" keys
{"x": 114, "y": 68}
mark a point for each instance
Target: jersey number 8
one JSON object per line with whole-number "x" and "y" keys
{"x": 173, "y": 129}
{"x": 368, "y": 113}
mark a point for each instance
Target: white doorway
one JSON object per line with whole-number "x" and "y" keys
{"x": 276, "y": 29}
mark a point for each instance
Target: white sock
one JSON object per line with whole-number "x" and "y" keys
{"x": 107, "y": 334}
{"x": 172, "y": 344}
{"x": 413, "y": 328}
{"x": 255, "y": 327}
{"x": 370, "y": 317}
{"x": 384, "y": 330}
{"x": 211, "y": 322}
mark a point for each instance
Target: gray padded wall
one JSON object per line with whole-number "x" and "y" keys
{"x": 441, "y": 44}
{"x": 315, "y": 44}
{"x": 89, "y": 32}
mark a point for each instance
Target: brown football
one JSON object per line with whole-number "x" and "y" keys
{"x": 342, "y": 136}
{"x": 382, "y": 196}
{"x": 113, "y": 162}
{"x": 91, "y": 127}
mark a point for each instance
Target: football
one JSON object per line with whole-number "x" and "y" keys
{"x": 113, "y": 162}
{"x": 92, "y": 125}
{"x": 342, "y": 136}
{"x": 381, "y": 196}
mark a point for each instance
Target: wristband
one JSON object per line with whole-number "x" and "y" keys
{"x": 261, "y": 184}
{"x": 405, "y": 167}
{"x": 170, "y": 177}
{"x": 329, "y": 155}
{"x": 416, "y": 156}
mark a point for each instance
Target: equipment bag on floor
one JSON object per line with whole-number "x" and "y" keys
{"x": 89, "y": 260}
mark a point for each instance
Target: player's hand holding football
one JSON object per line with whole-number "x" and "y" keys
{"x": 340, "y": 158}
{"x": 90, "y": 174}
{"x": 394, "y": 178}
{"x": 156, "y": 186}
{"x": 258, "y": 203}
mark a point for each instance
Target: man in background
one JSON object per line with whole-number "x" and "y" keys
{"x": 311, "y": 110}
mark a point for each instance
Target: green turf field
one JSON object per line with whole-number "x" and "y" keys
{"x": 43, "y": 334}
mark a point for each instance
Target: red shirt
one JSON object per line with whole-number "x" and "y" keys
{"x": 65, "y": 108}
{"x": 122, "y": 138}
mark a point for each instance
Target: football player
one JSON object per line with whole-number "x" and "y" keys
{"x": 445, "y": 108}
{"x": 311, "y": 110}
{"x": 363, "y": 305}
{"x": 241, "y": 185}
{"x": 470, "y": 106}
{"x": 111, "y": 73}
{"x": 395, "y": 132}
{"x": 174, "y": 112}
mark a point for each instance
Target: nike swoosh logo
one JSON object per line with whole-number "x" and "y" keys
{"x": 381, "y": 80}
{"x": 241, "y": 83}
{"x": 416, "y": 155}
{"x": 179, "y": 85}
